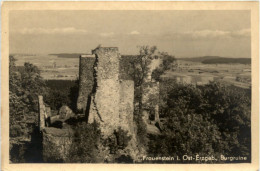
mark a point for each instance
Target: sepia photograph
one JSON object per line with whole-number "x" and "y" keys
{"x": 130, "y": 86}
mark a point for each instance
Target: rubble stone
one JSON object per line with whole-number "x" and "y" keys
{"x": 65, "y": 112}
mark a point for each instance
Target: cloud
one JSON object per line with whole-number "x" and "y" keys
{"x": 207, "y": 33}
{"x": 66, "y": 30}
{"x": 242, "y": 33}
{"x": 111, "y": 34}
{"x": 212, "y": 34}
{"x": 134, "y": 32}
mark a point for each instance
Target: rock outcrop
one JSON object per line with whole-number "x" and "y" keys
{"x": 44, "y": 113}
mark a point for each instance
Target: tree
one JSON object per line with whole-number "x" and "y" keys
{"x": 156, "y": 74}
{"x": 168, "y": 63}
{"x": 15, "y": 102}
{"x": 140, "y": 64}
{"x": 209, "y": 120}
{"x": 140, "y": 68}
{"x": 25, "y": 84}
{"x": 231, "y": 110}
{"x": 186, "y": 131}
{"x": 139, "y": 71}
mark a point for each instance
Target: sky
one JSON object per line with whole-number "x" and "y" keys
{"x": 182, "y": 33}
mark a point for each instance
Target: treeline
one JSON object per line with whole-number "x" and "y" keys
{"x": 227, "y": 61}
{"x": 61, "y": 92}
{"x": 218, "y": 60}
{"x": 77, "y": 55}
{"x": 67, "y": 55}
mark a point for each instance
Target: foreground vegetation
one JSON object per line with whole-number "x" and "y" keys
{"x": 210, "y": 120}
{"x": 25, "y": 84}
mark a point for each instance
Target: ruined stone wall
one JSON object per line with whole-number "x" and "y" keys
{"x": 86, "y": 76}
{"x": 41, "y": 113}
{"x": 44, "y": 113}
{"x": 105, "y": 101}
{"x": 56, "y": 144}
{"x": 86, "y": 80}
{"x": 126, "y": 105}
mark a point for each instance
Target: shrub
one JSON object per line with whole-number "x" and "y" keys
{"x": 16, "y": 131}
{"x": 124, "y": 159}
{"x": 118, "y": 140}
{"x": 85, "y": 145}
{"x": 17, "y": 153}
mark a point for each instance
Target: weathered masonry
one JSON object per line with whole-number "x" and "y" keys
{"x": 111, "y": 100}
{"x": 86, "y": 80}
{"x": 56, "y": 142}
{"x": 106, "y": 93}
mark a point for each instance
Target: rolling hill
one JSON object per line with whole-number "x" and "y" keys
{"x": 67, "y": 55}
{"x": 217, "y": 60}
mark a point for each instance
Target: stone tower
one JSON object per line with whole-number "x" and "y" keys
{"x": 106, "y": 98}
{"x": 103, "y": 95}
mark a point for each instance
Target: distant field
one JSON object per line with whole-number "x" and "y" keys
{"x": 195, "y": 72}
{"x": 192, "y": 70}
{"x": 52, "y": 67}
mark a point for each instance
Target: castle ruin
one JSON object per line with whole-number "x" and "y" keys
{"x": 112, "y": 99}
{"x": 105, "y": 96}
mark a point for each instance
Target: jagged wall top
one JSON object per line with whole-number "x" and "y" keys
{"x": 88, "y": 56}
{"x": 107, "y": 61}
